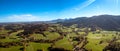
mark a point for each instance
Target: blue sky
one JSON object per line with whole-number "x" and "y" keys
{"x": 43, "y": 10}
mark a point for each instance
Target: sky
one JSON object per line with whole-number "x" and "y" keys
{"x": 45, "y": 10}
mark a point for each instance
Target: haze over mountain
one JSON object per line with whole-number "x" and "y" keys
{"x": 106, "y": 22}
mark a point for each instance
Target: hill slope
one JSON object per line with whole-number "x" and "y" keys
{"x": 106, "y": 22}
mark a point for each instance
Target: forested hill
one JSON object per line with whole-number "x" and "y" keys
{"x": 106, "y": 22}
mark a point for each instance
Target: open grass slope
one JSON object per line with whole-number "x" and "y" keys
{"x": 13, "y": 48}
{"x": 12, "y": 37}
{"x": 4, "y": 31}
{"x": 52, "y": 36}
{"x": 64, "y": 43}
{"x": 35, "y": 46}
{"x": 94, "y": 40}
{"x": 37, "y": 36}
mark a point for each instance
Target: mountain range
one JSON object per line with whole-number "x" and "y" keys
{"x": 105, "y": 22}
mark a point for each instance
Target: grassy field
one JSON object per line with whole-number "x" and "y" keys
{"x": 12, "y": 37}
{"x": 49, "y": 36}
{"x": 64, "y": 43}
{"x": 35, "y": 46}
{"x": 71, "y": 35}
{"x": 14, "y": 34}
{"x": 4, "y": 31}
{"x": 52, "y": 36}
{"x": 13, "y": 48}
{"x": 118, "y": 41}
{"x": 7, "y": 39}
{"x": 94, "y": 40}
{"x": 37, "y": 36}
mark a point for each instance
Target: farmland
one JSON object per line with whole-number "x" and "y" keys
{"x": 55, "y": 37}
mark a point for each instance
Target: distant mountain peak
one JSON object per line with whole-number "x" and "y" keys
{"x": 106, "y": 22}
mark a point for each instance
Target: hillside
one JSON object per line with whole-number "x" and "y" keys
{"x": 106, "y": 22}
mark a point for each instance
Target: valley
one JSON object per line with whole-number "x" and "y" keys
{"x": 56, "y": 37}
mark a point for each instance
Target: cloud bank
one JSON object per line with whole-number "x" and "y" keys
{"x": 20, "y": 18}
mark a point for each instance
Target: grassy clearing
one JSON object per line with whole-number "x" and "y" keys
{"x": 37, "y": 36}
{"x": 47, "y": 32}
{"x": 4, "y": 31}
{"x": 12, "y": 37}
{"x": 94, "y": 45}
{"x": 71, "y": 35}
{"x": 67, "y": 30}
{"x": 7, "y": 39}
{"x": 118, "y": 41}
{"x": 75, "y": 42}
{"x": 14, "y": 34}
{"x": 52, "y": 36}
{"x": 49, "y": 36}
{"x": 94, "y": 40}
{"x": 35, "y": 46}
{"x": 81, "y": 33}
{"x": 64, "y": 43}
{"x": 13, "y": 48}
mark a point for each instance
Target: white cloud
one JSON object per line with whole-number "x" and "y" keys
{"x": 20, "y": 18}
{"x": 76, "y": 11}
{"x": 83, "y": 5}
